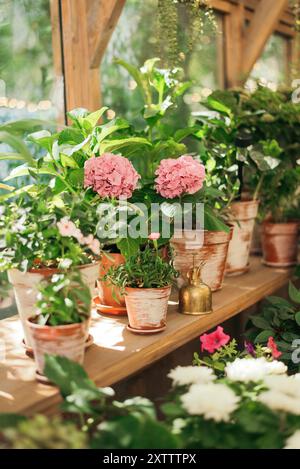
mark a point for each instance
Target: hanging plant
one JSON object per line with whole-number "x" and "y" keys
{"x": 199, "y": 17}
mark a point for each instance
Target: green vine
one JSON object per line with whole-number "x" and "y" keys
{"x": 199, "y": 16}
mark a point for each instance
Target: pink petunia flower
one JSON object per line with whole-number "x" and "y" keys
{"x": 67, "y": 228}
{"x": 110, "y": 175}
{"x": 273, "y": 347}
{"x": 154, "y": 236}
{"x": 214, "y": 341}
{"x": 176, "y": 177}
{"x": 94, "y": 246}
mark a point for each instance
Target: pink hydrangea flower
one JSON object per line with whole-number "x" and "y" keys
{"x": 179, "y": 176}
{"x": 110, "y": 175}
{"x": 214, "y": 341}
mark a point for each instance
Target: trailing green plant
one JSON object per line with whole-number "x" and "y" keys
{"x": 146, "y": 269}
{"x": 200, "y": 17}
{"x": 279, "y": 318}
{"x": 63, "y": 299}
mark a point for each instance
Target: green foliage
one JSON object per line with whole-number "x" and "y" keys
{"x": 4, "y": 286}
{"x": 43, "y": 433}
{"x": 146, "y": 269}
{"x": 278, "y": 318}
{"x": 63, "y": 299}
{"x": 29, "y": 235}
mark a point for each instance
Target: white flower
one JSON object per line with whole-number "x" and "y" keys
{"x": 283, "y": 394}
{"x": 214, "y": 401}
{"x": 253, "y": 369}
{"x": 293, "y": 442}
{"x": 67, "y": 228}
{"x": 183, "y": 375}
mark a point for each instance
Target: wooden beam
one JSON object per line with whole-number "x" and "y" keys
{"x": 103, "y": 16}
{"x": 234, "y": 25}
{"x": 264, "y": 21}
{"x": 82, "y": 84}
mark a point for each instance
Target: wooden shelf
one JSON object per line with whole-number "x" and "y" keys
{"x": 117, "y": 353}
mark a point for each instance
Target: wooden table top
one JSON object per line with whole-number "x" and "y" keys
{"x": 116, "y": 352}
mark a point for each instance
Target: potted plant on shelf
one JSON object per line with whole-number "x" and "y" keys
{"x": 62, "y": 323}
{"x": 280, "y": 228}
{"x": 145, "y": 279}
{"x": 42, "y": 234}
{"x": 231, "y": 154}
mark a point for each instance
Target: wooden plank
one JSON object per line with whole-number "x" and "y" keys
{"x": 103, "y": 16}
{"x": 116, "y": 353}
{"x": 81, "y": 83}
{"x": 262, "y": 25}
{"x": 234, "y": 25}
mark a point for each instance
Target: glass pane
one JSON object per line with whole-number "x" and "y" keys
{"x": 271, "y": 68}
{"x": 28, "y": 86}
{"x": 135, "y": 40}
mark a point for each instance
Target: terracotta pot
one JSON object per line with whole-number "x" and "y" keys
{"x": 210, "y": 247}
{"x": 110, "y": 299}
{"x": 25, "y": 286}
{"x": 256, "y": 247}
{"x": 66, "y": 341}
{"x": 147, "y": 308}
{"x": 280, "y": 243}
{"x": 242, "y": 217}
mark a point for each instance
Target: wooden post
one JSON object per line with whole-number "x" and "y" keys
{"x": 82, "y": 84}
{"x": 265, "y": 19}
{"x": 234, "y": 24}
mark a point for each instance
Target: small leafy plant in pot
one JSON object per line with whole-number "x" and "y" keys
{"x": 146, "y": 280}
{"x": 62, "y": 323}
{"x": 280, "y": 229}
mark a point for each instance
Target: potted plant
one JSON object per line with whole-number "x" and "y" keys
{"x": 230, "y": 154}
{"x": 145, "y": 279}
{"x": 41, "y": 235}
{"x": 62, "y": 323}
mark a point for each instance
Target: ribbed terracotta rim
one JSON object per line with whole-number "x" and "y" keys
{"x": 282, "y": 228}
{"x": 54, "y": 270}
{"x": 220, "y": 237}
{"x": 60, "y": 327}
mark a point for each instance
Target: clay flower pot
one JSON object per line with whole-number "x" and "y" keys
{"x": 66, "y": 341}
{"x": 280, "y": 243}
{"x": 25, "y": 286}
{"x": 210, "y": 247}
{"x": 242, "y": 217}
{"x": 147, "y": 308}
{"x": 110, "y": 299}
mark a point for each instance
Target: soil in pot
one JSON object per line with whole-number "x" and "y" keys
{"x": 147, "y": 308}
{"x": 280, "y": 243}
{"x": 208, "y": 247}
{"x": 25, "y": 286}
{"x": 110, "y": 300}
{"x": 243, "y": 215}
{"x": 66, "y": 341}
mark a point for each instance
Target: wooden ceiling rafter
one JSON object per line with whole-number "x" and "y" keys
{"x": 263, "y": 23}
{"x": 86, "y": 27}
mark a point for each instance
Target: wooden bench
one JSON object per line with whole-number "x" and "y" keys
{"x": 116, "y": 353}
